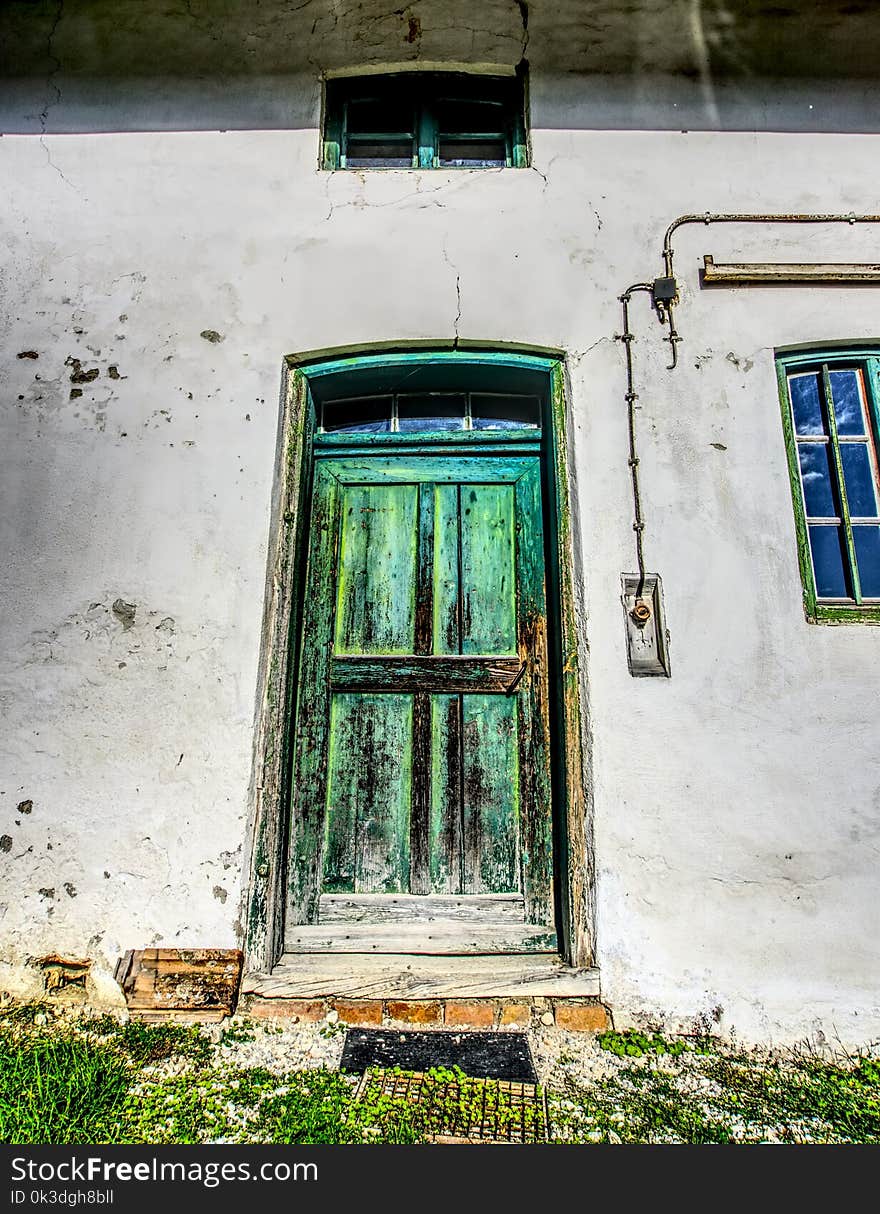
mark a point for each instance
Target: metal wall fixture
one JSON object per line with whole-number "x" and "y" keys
{"x": 647, "y": 638}
{"x": 769, "y": 272}
{"x": 647, "y": 641}
{"x": 742, "y": 273}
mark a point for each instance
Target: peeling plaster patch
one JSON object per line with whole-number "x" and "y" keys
{"x": 718, "y": 446}
{"x": 220, "y": 893}
{"x": 211, "y": 335}
{"x": 70, "y": 889}
{"x": 24, "y": 807}
{"x": 28, "y": 354}
{"x": 125, "y": 612}
{"x": 46, "y": 892}
{"x": 75, "y": 393}
{"x": 166, "y": 625}
{"x": 741, "y": 364}
{"x": 113, "y": 372}
{"x": 60, "y": 971}
{"x": 77, "y": 375}
{"x": 6, "y": 843}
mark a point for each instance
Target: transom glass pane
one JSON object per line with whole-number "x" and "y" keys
{"x": 367, "y": 415}
{"x": 491, "y": 412}
{"x": 430, "y": 412}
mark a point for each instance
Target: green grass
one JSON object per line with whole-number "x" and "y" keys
{"x": 102, "y": 1081}
{"x": 60, "y": 1089}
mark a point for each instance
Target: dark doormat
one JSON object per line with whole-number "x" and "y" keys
{"x": 480, "y": 1055}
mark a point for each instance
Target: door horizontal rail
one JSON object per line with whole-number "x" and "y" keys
{"x": 438, "y": 673}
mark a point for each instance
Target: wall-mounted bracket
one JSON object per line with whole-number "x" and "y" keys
{"x": 742, "y": 273}
{"x": 647, "y": 642}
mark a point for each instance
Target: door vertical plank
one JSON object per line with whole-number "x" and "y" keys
{"x": 313, "y": 708}
{"x": 533, "y": 698}
{"x": 446, "y": 621}
{"x": 446, "y": 783}
{"x": 382, "y": 753}
{"x": 340, "y": 820}
{"x": 420, "y": 855}
{"x": 488, "y": 577}
{"x": 490, "y": 794}
{"x": 446, "y": 773}
{"x": 489, "y": 755}
{"x": 420, "y": 862}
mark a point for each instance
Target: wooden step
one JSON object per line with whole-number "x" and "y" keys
{"x": 433, "y": 937}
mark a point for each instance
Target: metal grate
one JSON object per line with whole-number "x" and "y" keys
{"x": 464, "y": 1108}
{"x": 483, "y": 1055}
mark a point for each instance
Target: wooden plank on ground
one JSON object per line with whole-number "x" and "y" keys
{"x": 195, "y": 983}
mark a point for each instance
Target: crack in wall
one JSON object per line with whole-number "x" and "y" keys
{"x": 52, "y": 86}
{"x": 524, "y": 18}
{"x": 457, "y": 320}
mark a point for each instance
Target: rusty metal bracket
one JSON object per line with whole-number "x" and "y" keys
{"x": 514, "y": 683}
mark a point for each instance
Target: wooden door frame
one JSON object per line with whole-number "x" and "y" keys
{"x": 264, "y": 887}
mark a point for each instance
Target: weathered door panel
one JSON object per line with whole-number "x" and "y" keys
{"x": 421, "y": 761}
{"x": 366, "y": 839}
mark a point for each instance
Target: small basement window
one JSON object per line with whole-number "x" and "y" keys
{"x": 425, "y": 120}
{"x": 832, "y": 425}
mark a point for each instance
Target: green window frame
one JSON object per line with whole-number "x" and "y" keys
{"x": 831, "y": 420}
{"x": 425, "y": 120}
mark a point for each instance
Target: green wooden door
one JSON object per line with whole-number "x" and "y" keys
{"x": 421, "y": 777}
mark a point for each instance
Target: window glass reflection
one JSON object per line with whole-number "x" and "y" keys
{"x": 847, "y": 396}
{"x": 816, "y": 479}
{"x": 826, "y": 544}
{"x": 867, "y": 546}
{"x": 805, "y": 404}
{"x": 858, "y": 476}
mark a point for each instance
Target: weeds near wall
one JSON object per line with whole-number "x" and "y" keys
{"x": 100, "y": 1080}
{"x": 696, "y": 1090}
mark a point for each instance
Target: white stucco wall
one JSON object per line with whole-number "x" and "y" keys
{"x": 737, "y": 805}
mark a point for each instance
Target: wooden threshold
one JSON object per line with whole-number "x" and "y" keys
{"x": 415, "y": 976}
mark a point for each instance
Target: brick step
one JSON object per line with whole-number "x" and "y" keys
{"x": 573, "y": 1014}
